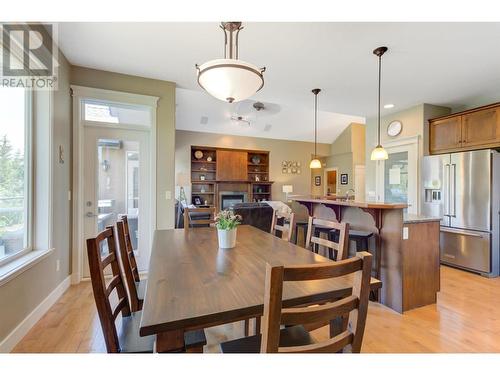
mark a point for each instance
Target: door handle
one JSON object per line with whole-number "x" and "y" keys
{"x": 461, "y": 231}
{"x": 454, "y": 191}
{"x": 90, "y": 214}
{"x": 447, "y": 182}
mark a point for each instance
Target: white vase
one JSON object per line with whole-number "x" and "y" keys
{"x": 227, "y": 238}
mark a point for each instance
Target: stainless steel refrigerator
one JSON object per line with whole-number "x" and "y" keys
{"x": 464, "y": 190}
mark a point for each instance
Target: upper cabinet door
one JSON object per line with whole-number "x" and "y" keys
{"x": 445, "y": 135}
{"x": 232, "y": 165}
{"x": 481, "y": 127}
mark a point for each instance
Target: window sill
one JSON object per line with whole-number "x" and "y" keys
{"x": 12, "y": 269}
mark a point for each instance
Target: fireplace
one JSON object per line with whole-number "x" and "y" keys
{"x": 228, "y": 198}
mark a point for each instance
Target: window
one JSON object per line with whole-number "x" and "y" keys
{"x": 117, "y": 113}
{"x": 15, "y": 176}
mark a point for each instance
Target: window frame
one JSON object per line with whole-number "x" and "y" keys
{"x": 28, "y": 180}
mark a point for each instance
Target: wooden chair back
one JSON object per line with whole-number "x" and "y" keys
{"x": 342, "y": 247}
{"x": 285, "y": 229}
{"x": 355, "y": 305}
{"x": 102, "y": 290}
{"x": 130, "y": 249}
{"x": 188, "y": 220}
{"x": 128, "y": 263}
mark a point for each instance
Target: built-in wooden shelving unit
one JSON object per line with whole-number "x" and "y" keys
{"x": 215, "y": 168}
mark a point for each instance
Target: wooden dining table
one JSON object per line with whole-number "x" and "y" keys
{"x": 192, "y": 284}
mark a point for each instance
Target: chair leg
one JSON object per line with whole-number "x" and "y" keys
{"x": 247, "y": 327}
{"x": 257, "y": 325}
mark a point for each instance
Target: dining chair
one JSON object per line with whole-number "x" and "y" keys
{"x": 313, "y": 239}
{"x": 199, "y": 216}
{"x": 286, "y": 228}
{"x": 294, "y": 338}
{"x": 136, "y": 287}
{"x": 126, "y": 339}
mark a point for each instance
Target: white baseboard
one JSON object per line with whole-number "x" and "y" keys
{"x": 33, "y": 317}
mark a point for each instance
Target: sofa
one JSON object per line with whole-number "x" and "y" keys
{"x": 257, "y": 214}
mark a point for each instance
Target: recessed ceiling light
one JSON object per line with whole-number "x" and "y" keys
{"x": 388, "y": 106}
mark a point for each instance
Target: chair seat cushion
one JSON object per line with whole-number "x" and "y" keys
{"x": 290, "y": 336}
{"x": 141, "y": 288}
{"x": 128, "y": 335}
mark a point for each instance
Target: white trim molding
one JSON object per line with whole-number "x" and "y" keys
{"x": 114, "y": 96}
{"x": 23, "y": 328}
{"x": 79, "y": 94}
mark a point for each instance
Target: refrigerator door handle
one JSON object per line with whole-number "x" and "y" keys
{"x": 462, "y": 232}
{"x": 447, "y": 190}
{"x": 453, "y": 191}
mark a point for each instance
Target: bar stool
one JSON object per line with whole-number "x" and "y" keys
{"x": 360, "y": 237}
{"x": 299, "y": 224}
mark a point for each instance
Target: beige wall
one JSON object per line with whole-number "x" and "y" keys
{"x": 165, "y": 127}
{"x": 279, "y": 150}
{"x": 21, "y": 295}
{"x": 347, "y": 151}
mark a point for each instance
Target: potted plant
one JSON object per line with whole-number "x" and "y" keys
{"x": 227, "y": 222}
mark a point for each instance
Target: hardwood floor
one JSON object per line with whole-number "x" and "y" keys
{"x": 465, "y": 319}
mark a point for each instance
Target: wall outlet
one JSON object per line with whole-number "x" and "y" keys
{"x": 58, "y": 265}
{"x": 168, "y": 195}
{"x": 406, "y": 234}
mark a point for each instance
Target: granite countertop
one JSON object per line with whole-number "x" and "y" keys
{"x": 339, "y": 202}
{"x": 412, "y": 219}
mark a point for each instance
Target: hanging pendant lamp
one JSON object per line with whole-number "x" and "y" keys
{"x": 230, "y": 79}
{"x": 315, "y": 163}
{"x": 379, "y": 152}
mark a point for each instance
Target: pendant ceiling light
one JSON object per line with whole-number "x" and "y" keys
{"x": 230, "y": 79}
{"x": 315, "y": 163}
{"x": 379, "y": 153}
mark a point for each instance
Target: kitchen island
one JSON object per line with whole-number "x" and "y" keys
{"x": 405, "y": 247}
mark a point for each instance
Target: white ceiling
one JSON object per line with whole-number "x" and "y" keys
{"x": 449, "y": 64}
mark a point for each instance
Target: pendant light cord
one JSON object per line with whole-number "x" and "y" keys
{"x": 315, "y": 124}
{"x": 379, "y": 79}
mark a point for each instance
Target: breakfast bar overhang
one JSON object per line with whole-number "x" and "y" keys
{"x": 407, "y": 266}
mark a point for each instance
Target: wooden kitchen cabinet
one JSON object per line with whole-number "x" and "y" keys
{"x": 232, "y": 165}
{"x": 445, "y": 134}
{"x": 481, "y": 128}
{"x": 474, "y": 129}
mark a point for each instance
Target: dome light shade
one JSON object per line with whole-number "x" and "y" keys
{"x": 379, "y": 153}
{"x": 230, "y": 80}
{"x": 315, "y": 164}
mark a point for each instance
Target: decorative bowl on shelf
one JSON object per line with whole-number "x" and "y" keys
{"x": 198, "y": 154}
{"x": 256, "y": 159}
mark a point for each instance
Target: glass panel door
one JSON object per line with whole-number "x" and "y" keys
{"x": 396, "y": 178}
{"x": 117, "y": 181}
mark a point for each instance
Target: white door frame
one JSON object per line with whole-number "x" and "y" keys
{"x": 80, "y": 93}
{"x": 410, "y": 144}
{"x": 325, "y": 178}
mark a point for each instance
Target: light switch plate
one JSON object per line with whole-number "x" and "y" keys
{"x": 168, "y": 195}
{"x": 405, "y": 233}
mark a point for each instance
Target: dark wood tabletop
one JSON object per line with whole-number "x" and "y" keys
{"x": 193, "y": 284}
